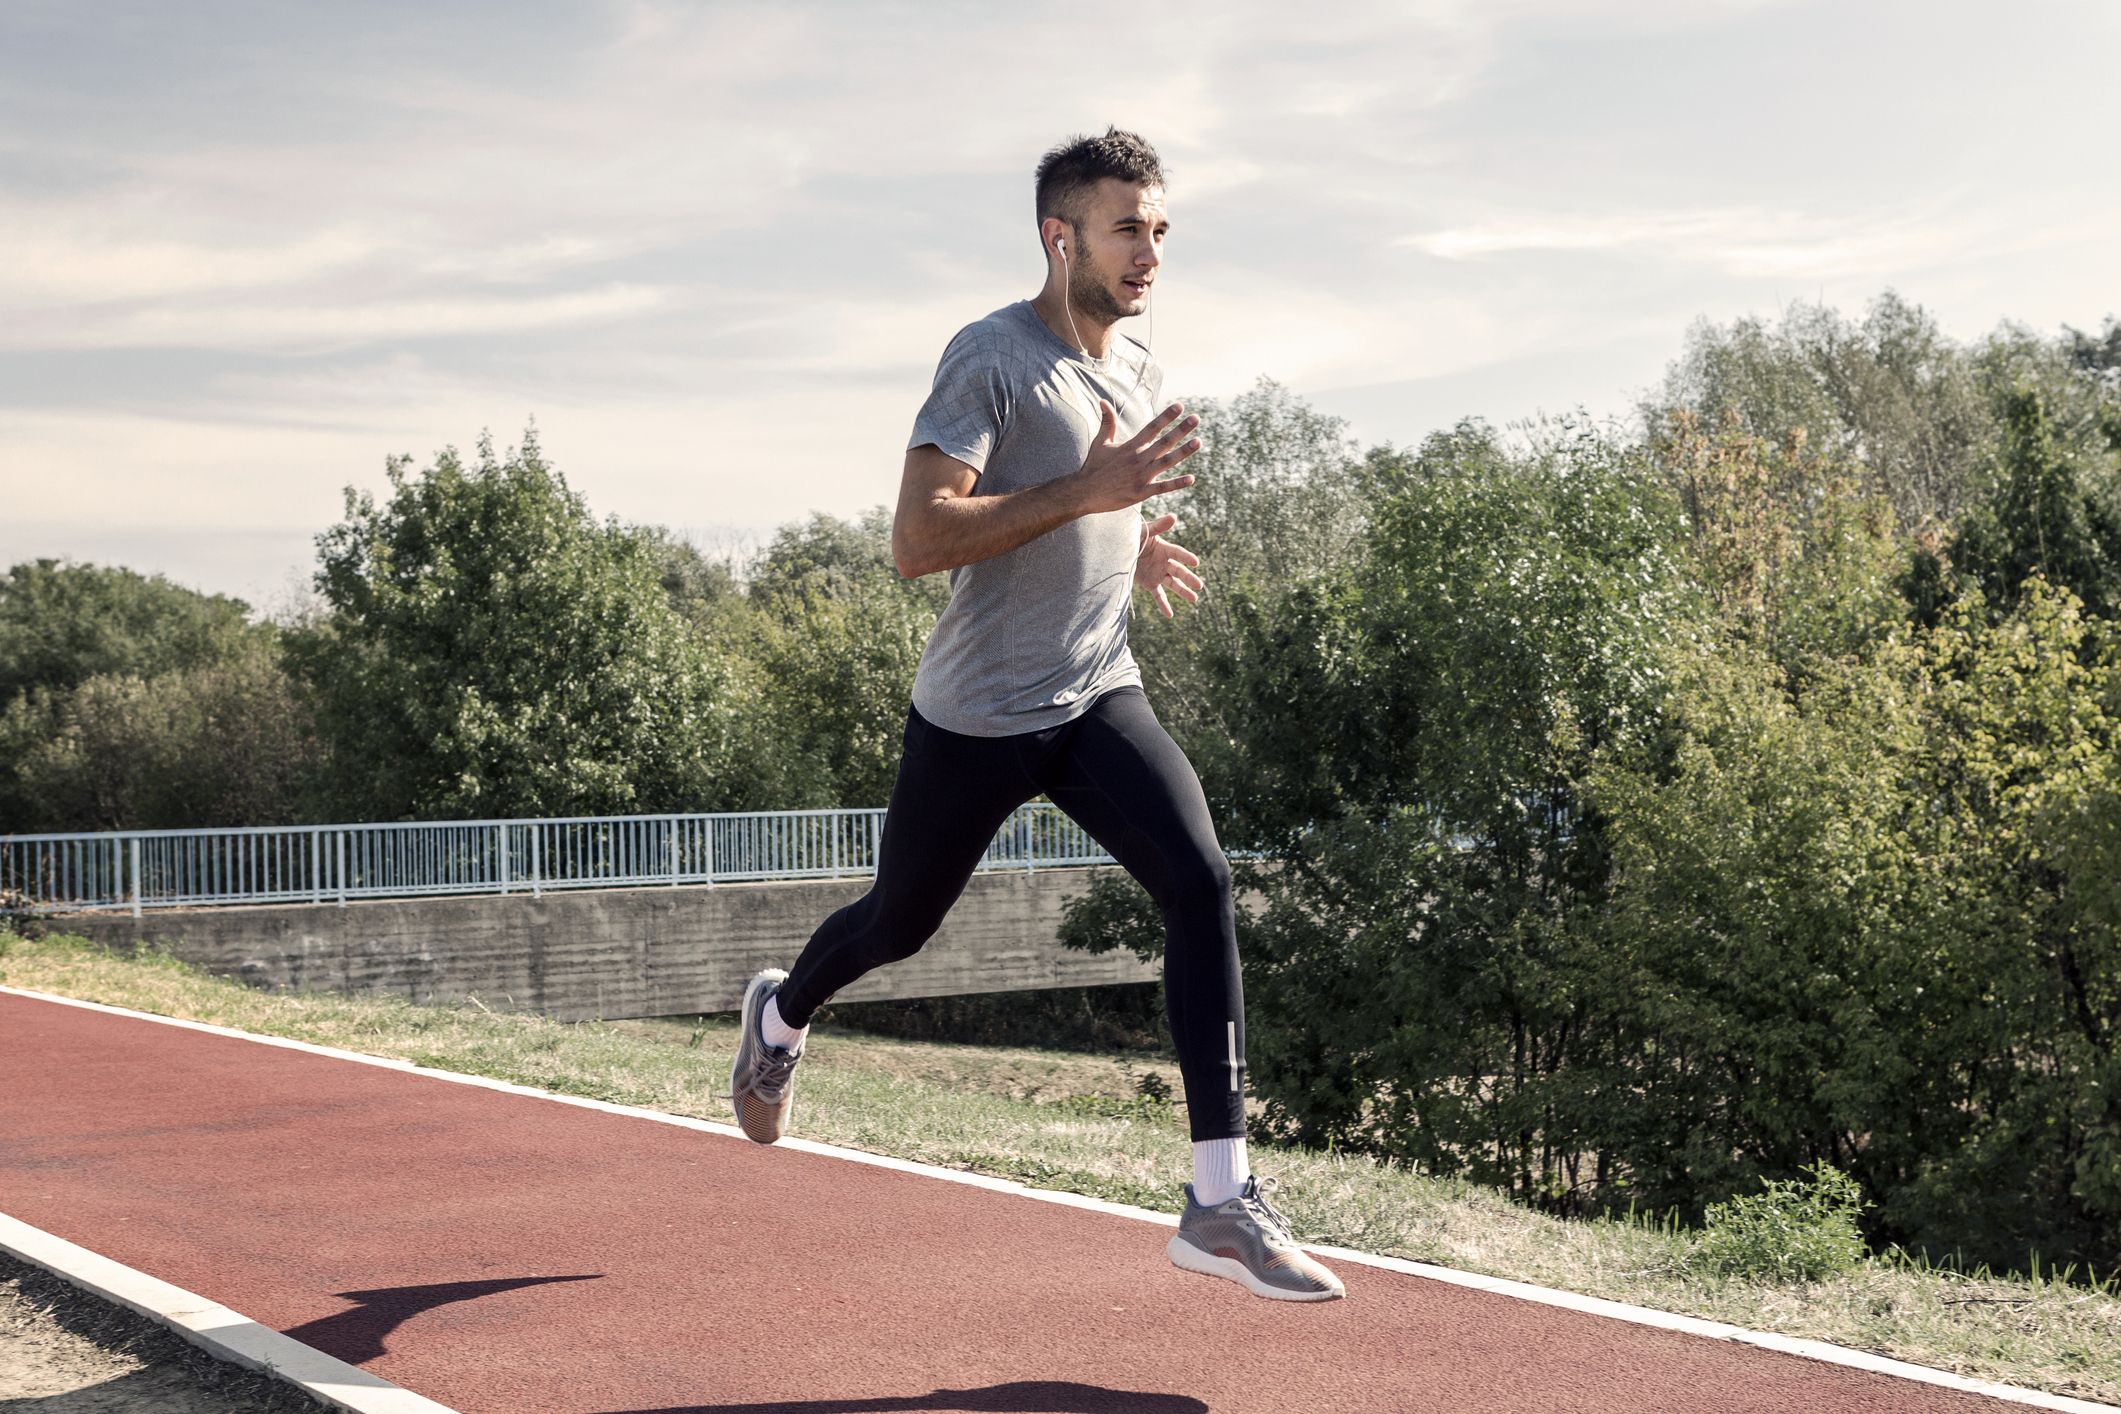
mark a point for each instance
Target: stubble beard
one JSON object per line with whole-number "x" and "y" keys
{"x": 1088, "y": 292}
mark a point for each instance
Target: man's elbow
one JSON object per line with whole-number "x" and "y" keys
{"x": 903, "y": 558}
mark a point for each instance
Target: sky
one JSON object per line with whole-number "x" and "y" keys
{"x": 713, "y": 252}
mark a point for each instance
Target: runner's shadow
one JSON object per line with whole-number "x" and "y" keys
{"x": 357, "y": 1335}
{"x": 1018, "y": 1397}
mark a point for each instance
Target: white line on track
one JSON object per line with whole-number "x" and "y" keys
{"x": 1523, "y": 1291}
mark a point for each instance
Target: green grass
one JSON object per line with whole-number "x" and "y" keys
{"x": 1082, "y": 1123}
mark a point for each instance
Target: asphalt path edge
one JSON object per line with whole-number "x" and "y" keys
{"x": 373, "y": 1389}
{"x": 213, "y": 1327}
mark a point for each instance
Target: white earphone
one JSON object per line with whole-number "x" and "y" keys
{"x": 1060, "y": 243}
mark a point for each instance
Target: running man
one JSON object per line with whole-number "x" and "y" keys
{"x": 1040, "y": 438}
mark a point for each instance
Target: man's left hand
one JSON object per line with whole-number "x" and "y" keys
{"x": 1162, "y": 565}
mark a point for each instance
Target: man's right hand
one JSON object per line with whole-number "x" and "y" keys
{"x": 1120, "y": 474}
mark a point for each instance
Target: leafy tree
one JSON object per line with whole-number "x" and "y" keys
{"x": 1870, "y": 924}
{"x": 1775, "y": 934}
{"x": 2017, "y": 773}
{"x": 1660, "y": 822}
{"x": 62, "y": 624}
{"x": 1796, "y": 559}
{"x": 1656, "y": 854}
{"x": 2098, "y": 356}
{"x": 1276, "y": 499}
{"x": 494, "y": 651}
{"x": 1509, "y": 604}
{"x": 837, "y": 672}
{"x": 1890, "y": 394}
{"x": 224, "y": 743}
{"x": 834, "y": 557}
{"x": 1413, "y": 724}
{"x": 124, "y": 698}
{"x": 1276, "y": 502}
{"x": 836, "y": 635}
{"x": 704, "y": 592}
{"x": 2053, "y": 510}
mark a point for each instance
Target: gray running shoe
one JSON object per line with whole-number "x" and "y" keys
{"x": 1248, "y": 1241}
{"x": 762, "y": 1082}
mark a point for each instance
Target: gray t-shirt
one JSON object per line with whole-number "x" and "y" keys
{"x": 1032, "y": 636}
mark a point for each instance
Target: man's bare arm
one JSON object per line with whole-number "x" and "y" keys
{"x": 940, "y": 524}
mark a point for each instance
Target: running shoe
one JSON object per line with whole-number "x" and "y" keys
{"x": 1248, "y": 1241}
{"x": 762, "y": 1082}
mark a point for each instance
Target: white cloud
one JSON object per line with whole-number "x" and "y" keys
{"x": 177, "y": 475}
{"x": 314, "y": 328}
{"x": 75, "y": 257}
{"x": 1750, "y": 242}
{"x": 529, "y": 261}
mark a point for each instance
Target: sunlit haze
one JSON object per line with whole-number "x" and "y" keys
{"x": 247, "y": 251}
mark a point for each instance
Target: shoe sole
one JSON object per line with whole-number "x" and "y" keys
{"x": 748, "y": 1038}
{"x": 1185, "y": 1254}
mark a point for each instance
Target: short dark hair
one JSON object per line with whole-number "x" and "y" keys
{"x": 1071, "y": 170}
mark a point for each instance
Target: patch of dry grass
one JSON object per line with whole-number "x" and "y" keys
{"x": 61, "y": 1348}
{"x": 1064, "y": 1120}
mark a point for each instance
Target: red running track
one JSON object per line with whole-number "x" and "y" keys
{"x": 504, "y": 1253}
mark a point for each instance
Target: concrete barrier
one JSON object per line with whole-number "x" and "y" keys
{"x": 579, "y": 954}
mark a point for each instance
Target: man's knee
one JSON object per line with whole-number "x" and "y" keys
{"x": 900, "y": 928}
{"x": 1200, "y": 881}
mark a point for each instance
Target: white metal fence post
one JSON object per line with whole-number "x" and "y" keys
{"x": 537, "y": 862}
{"x": 673, "y": 853}
{"x": 503, "y": 829}
{"x": 136, "y": 875}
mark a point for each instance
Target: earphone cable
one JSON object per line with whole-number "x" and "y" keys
{"x": 1141, "y": 365}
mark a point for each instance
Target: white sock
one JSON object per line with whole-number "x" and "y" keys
{"x": 776, "y": 1031}
{"x": 1219, "y": 1170}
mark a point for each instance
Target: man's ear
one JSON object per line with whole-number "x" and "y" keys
{"x": 1059, "y": 228}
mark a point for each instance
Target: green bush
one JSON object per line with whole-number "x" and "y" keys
{"x": 1797, "y": 1230}
{"x": 1636, "y": 842}
{"x": 222, "y": 743}
{"x": 1412, "y": 730}
{"x": 62, "y": 624}
{"x": 128, "y": 702}
{"x": 493, "y": 650}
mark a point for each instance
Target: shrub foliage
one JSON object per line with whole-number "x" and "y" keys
{"x": 1654, "y": 820}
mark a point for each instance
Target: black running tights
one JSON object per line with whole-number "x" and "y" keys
{"x": 1116, "y": 772}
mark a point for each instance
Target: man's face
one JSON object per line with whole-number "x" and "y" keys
{"x": 1121, "y": 240}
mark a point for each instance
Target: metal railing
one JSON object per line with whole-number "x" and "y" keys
{"x": 144, "y": 869}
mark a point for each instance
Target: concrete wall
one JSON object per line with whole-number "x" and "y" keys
{"x": 578, "y": 954}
